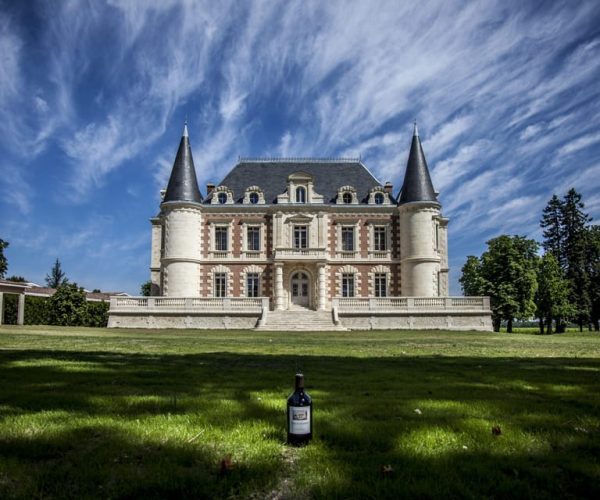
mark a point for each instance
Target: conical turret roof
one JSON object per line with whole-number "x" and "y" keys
{"x": 183, "y": 185}
{"x": 417, "y": 184}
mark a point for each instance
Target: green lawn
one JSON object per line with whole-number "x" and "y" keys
{"x": 124, "y": 414}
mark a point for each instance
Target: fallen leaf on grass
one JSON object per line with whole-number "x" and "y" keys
{"x": 418, "y": 412}
{"x": 496, "y": 431}
{"x": 387, "y": 470}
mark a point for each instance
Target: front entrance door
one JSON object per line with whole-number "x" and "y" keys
{"x": 300, "y": 289}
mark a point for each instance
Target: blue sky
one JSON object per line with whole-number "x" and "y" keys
{"x": 93, "y": 96}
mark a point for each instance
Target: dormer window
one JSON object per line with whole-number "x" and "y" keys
{"x": 346, "y": 195}
{"x": 221, "y": 195}
{"x": 379, "y": 196}
{"x": 300, "y": 189}
{"x": 254, "y": 196}
{"x": 300, "y": 194}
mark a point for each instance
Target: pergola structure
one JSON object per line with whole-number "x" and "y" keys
{"x": 17, "y": 289}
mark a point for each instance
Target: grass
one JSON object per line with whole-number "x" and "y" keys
{"x": 126, "y": 414}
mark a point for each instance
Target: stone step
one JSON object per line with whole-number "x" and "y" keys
{"x": 300, "y": 319}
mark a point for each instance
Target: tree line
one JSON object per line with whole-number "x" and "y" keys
{"x": 67, "y": 307}
{"x": 560, "y": 286}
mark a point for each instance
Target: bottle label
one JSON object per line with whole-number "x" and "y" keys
{"x": 299, "y": 419}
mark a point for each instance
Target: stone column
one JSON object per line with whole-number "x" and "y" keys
{"x": 1, "y": 308}
{"x": 21, "y": 309}
{"x": 322, "y": 287}
{"x": 279, "y": 287}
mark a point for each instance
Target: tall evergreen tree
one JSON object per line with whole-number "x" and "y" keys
{"x": 552, "y": 224}
{"x": 3, "y": 260}
{"x": 593, "y": 263}
{"x": 574, "y": 237}
{"x": 57, "y": 276}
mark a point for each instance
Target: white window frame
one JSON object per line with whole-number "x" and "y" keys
{"x": 348, "y": 286}
{"x": 218, "y": 228}
{"x": 301, "y": 189}
{"x": 250, "y": 228}
{"x": 255, "y": 277}
{"x": 220, "y": 290}
{"x": 305, "y": 228}
{"x": 377, "y": 289}
{"x": 344, "y": 231}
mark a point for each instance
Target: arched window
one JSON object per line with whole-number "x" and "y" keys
{"x": 347, "y": 198}
{"x": 300, "y": 195}
{"x": 379, "y": 198}
{"x": 253, "y": 198}
{"x": 222, "y": 197}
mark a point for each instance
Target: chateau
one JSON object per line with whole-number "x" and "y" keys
{"x": 300, "y": 243}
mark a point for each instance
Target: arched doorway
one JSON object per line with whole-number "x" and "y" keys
{"x": 300, "y": 287}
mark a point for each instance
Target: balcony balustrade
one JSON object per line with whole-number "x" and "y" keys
{"x": 301, "y": 254}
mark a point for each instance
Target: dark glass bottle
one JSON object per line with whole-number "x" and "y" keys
{"x": 299, "y": 415}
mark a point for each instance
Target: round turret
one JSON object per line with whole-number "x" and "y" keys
{"x": 419, "y": 210}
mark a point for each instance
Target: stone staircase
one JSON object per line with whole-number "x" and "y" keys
{"x": 300, "y": 319}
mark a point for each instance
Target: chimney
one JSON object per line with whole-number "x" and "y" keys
{"x": 388, "y": 187}
{"x": 209, "y": 187}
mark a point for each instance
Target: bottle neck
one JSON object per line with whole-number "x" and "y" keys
{"x": 299, "y": 382}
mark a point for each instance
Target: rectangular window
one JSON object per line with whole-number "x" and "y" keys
{"x": 221, "y": 239}
{"x": 300, "y": 237}
{"x": 253, "y": 240}
{"x": 347, "y": 285}
{"x": 252, "y": 285}
{"x": 380, "y": 285}
{"x": 348, "y": 239}
{"x": 220, "y": 285}
{"x": 380, "y": 236}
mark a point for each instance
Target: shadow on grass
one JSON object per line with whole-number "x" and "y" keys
{"x": 97, "y": 405}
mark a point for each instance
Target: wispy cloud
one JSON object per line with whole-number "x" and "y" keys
{"x": 505, "y": 95}
{"x": 579, "y": 143}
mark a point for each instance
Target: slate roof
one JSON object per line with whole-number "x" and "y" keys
{"x": 271, "y": 176}
{"x": 417, "y": 184}
{"x": 183, "y": 185}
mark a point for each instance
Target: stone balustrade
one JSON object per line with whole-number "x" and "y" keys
{"x": 301, "y": 254}
{"x": 359, "y": 305}
{"x": 188, "y": 304}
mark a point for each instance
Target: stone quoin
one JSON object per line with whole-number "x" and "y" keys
{"x": 300, "y": 243}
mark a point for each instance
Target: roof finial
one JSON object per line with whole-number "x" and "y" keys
{"x": 185, "y": 130}
{"x": 416, "y": 131}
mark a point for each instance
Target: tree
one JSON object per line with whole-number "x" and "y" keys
{"x": 552, "y": 297}
{"x": 146, "y": 288}
{"x": 68, "y": 306}
{"x": 506, "y": 272}
{"x": 552, "y": 224}
{"x": 56, "y": 277}
{"x": 593, "y": 264}
{"x": 17, "y": 279}
{"x": 574, "y": 239}
{"x": 3, "y": 260}
{"x": 471, "y": 281}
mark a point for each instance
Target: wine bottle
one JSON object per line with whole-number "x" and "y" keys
{"x": 299, "y": 414}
